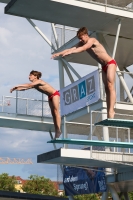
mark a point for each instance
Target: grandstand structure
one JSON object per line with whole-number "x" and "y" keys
{"x": 110, "y": 21}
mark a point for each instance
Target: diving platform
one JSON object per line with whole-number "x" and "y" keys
{"x": 116, "y": 122}
{"x": 82, "y": 115}
{"x": 90, "y": 14}
{"x": 26, "y": 122}
{"x": 5, "y": 1}
{"x": 92, "y": 143}
{"x": 86, "y": 158}
{"x": 67, "y": 12}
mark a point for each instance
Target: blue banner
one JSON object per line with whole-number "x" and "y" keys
{"x": 83, "y": 181}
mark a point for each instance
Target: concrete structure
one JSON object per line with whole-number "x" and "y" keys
{"x": 111, "y": 23}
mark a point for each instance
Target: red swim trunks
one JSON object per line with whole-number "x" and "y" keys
{"x": 52, "y": 95}
{"x": 104, "y": 68}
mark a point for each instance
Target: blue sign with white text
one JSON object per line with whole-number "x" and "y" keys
{"x": 80, "y": 94}
{"x": 83, "y": 181}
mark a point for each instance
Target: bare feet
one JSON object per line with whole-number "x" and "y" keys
{"x": 57, "y": 135}
{"x": 111, "y": 115}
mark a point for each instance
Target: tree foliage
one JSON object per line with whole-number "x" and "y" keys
{"x": 39, "y": 185}
{"x": 87, "y": 197}
{"x": 7, "y": 183}
{"x": 130, "y": 194}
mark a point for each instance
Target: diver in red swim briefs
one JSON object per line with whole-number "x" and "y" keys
{"x": 53, "y": 96}
{"x": 97, "y": 51}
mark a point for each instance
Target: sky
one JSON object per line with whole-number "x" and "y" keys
{"x": 22, "y": 49}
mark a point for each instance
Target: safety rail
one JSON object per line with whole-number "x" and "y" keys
{"x": 26, "y": 106}
{"x": 88, "y": 131}
{"x": 121, "y": 92}
{"x": 112, "y": 133}
{"x": 121, "y": 4}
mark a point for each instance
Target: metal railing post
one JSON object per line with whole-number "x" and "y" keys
{"x": 117, "y": 136}
{"x": 100, "y": 81}
{"x": 63, "y": 35}
{"x": 64, "y": 135}
{"x": 26, "y": 106}
{"x": 3, "y": 103}
{"x": 91, "y": 132}
{"x": 42, "y": 105}
{"x": 128, "y": 138}
{"x": 16, "y": 102}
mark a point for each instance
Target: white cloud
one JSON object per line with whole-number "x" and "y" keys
{"x": 5, "y": 36}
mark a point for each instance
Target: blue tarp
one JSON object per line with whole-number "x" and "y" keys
{"x": 83, "y": 181}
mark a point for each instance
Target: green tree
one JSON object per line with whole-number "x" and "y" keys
{"x": 39, "y": 185}
{"x": 130, "y": 194}
{"x": 7, "y": 183}
{"x": 87, "y": 197}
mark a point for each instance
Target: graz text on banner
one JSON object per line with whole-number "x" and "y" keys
{"x": 80, "y": 93}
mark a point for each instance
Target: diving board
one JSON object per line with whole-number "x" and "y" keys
{"x": 92, "y": 143}
{"x": 116, "y": 122}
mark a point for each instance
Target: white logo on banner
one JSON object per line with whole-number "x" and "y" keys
{"x": 81, "y": 93}
{"x": 83, "y": 186}
{"x": 71, "y": 179}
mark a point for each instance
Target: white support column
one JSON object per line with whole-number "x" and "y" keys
{"x": 61, "y": 74}
{"x": 100, "y": 81}
{"x": 64, "y": 131}
{"x": 104, "y": 115}
{"x": 116, "y": 39}
{"x": 55, "y": 35}
{"x": 55, "y": 148}
{"x": 124, "y": 85}
{"x": 118, "y": 71}
{"x": 105, "y": 196}
{"x": 121, "y": 90}
{"x": 68, "y": 73}
{"x": 65, "y": 145}
{"x": 57, "y": 44}
{"x": 105, "y": 129}
{"x": 128, "y": 71}
{"x": 113, "y": 192}
{"x": 41, "y": 33}
{"x": 72, "y": 69}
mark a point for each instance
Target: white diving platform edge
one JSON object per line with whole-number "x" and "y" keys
{"x": 116, "y": 122}
{"x": 92, "y": 143}
{"x": 86, "y": 158}
{"x": 27, "y": 122}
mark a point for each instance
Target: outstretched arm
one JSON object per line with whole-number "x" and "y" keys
{"x": 62, "y": 52}
{"x": 80, "y": 48}
{"x": 25, "y": 86}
